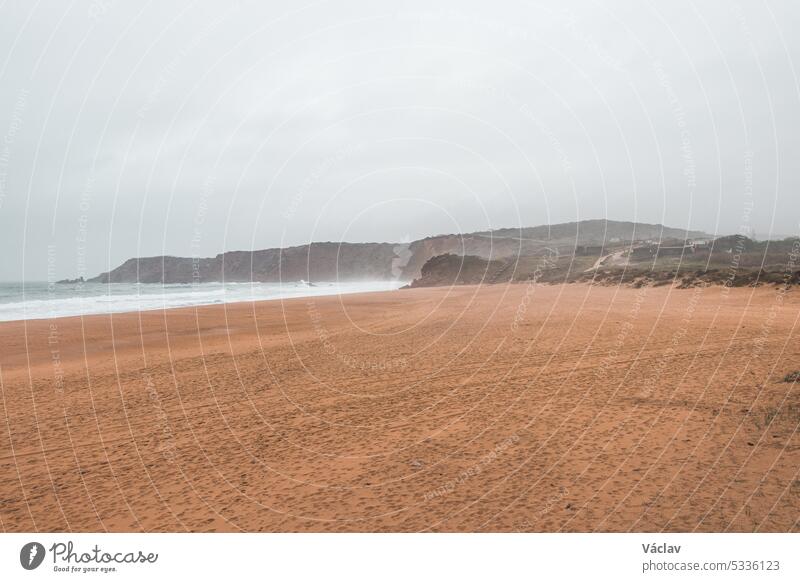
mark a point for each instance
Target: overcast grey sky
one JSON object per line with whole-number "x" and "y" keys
{"x": 192, "y": 128}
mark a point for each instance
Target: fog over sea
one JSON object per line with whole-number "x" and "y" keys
{"x": 41, "y": 300}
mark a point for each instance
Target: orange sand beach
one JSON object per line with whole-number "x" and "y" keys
{"x": 494, "y": 408}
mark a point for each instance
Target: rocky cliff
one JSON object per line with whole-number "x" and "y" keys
{"x": 314, "y": 262}
{"x": 329, "y": 261}
{"x": 448, "y": 269}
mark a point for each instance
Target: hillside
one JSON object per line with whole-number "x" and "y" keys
{"x": 327, "y": 261}
{"x": 732, "y": 261}
{"x": 599, "y": 231}
{"x": 314, "y": 262}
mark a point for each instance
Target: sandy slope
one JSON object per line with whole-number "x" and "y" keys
{"x": 495, "y": 408}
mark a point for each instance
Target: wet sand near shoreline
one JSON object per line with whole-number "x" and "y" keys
{"x": 493, "y": 408}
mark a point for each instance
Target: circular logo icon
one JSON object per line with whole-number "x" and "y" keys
{"x": 31, "y": 555}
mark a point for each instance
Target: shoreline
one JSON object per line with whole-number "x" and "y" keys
{"x": 600, "y": 283}
{"x": 181, "y": 296}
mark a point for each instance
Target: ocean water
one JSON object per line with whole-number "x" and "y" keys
{"x": 38, "y": 300}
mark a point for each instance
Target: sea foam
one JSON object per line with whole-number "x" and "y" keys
{"x": 43, "y": 301}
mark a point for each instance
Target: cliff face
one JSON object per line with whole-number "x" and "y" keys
{"x": 449, "y": 269}
{"x": 315, "y": 262}
{"x": 328, "y": 261}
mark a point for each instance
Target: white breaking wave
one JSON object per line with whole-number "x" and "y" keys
{"x": 42, "y": 301}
